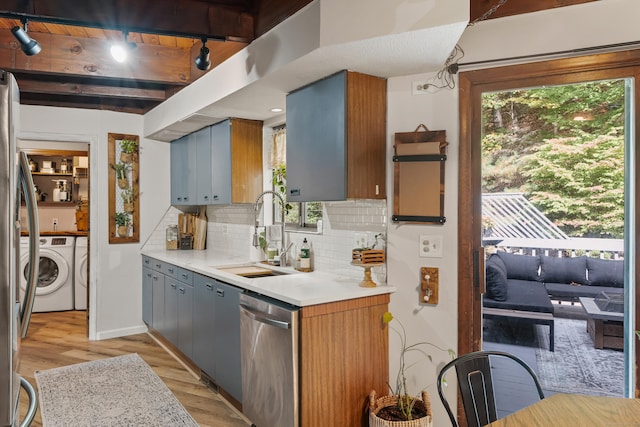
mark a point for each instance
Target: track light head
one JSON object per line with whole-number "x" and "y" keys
{"x": 202, "y": 61}
{"x": 28, "y": 45}
{"x": 120, "y": 51}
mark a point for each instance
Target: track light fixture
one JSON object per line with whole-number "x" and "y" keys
{"x": 28, "y": 45}
{"x": 120, "y": 51}
{"x": 202, "y": 61}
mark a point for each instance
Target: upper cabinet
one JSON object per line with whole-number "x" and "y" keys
{"x": 220, "y": 164}
{"x": 336, "y": 139}
{"x": 183, "y": 173}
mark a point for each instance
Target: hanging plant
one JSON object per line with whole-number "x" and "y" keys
{"x": 121, "y": 174}
{"x": 279, "y": 181}
{"x": 128, "y": 147}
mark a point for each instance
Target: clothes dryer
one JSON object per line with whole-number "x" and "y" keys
{"x": 54, "y": 291}
{"x": 80, "y": 276}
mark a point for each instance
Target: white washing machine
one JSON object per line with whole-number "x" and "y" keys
{"x": 54, "y": 291}
{"x": 80, "y": 276}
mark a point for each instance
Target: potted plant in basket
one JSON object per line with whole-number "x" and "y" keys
{"x": 121, "y": 174}
{"x": 128, "y": 196}
{"x": 123, "y": 221}
{"x": 401, "y": 408}
{"x": 128, "y": 147}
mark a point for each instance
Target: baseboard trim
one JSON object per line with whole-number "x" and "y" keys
{"x": 116, "y": 333}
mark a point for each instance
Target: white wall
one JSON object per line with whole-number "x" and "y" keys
{"x": 115, "y": 275}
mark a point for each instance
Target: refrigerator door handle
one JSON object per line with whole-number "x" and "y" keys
{"x": 34, "y": 244}
{"x": 33, "y": 402}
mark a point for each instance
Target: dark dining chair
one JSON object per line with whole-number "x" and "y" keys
{"x": 475, "y": 382}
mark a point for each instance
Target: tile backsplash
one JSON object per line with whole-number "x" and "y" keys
{"x": 345, "y": 226}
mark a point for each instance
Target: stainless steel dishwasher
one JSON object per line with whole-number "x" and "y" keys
{"x": 269, "y": 345}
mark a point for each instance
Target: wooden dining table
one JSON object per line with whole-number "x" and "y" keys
{"x": 569, "y": 410}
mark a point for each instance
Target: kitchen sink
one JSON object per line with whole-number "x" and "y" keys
{"x": 254, "y": 271}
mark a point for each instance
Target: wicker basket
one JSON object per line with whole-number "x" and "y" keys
{"x": 376, "y": 404}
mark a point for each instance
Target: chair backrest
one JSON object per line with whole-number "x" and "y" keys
{"x": 475, "y": 382}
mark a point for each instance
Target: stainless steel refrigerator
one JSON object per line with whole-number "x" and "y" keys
{"x": 15, "y": 178}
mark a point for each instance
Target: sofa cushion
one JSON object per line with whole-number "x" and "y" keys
{"x": 521, "y": 267}
{"x": 563, "y": 270}
{"x": 524, "y": 295}
{"x": 564, "y": 291}
{"x": 603, "y": 272}
{"x": 496, "y": 277}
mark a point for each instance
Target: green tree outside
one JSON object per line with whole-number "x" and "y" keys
{"x": 563, "y": 147}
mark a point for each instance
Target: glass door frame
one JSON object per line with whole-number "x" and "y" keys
{"x": 472, "y": 84}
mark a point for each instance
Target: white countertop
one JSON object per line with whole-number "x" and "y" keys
{"x": 298, "y": 288}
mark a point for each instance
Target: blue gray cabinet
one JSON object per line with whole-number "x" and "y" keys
{"x": 183, "y": 177}
{"x": 200, "y": 316}
{"x": 220, "y": 158}
{"x": 227, "y": 339}
{"x": 336, "y": 139}
{"x": 178, "y": 313}
{"x": 219, "y": 164}
{"x": 147, "y": 295}
{"x": 157, "y": 302}
{"x": 203, "y": 166}
{"x": 216, "y": 333}
{"x": 204, "y": 325}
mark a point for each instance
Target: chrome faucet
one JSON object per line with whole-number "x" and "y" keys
{"x": 256, "y": 211}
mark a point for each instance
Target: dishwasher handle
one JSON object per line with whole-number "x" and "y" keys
{"x": 261, "y": 317}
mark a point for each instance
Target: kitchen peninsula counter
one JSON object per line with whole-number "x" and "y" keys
{"x": 297, "y": 288}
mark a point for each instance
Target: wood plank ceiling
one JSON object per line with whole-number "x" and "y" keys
{"x": 75, "y": 68}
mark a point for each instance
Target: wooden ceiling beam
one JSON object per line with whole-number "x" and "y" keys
{"x": 187, "y": 18}
{"x": 28, "y": 85}
{"x": 83, "y": 57}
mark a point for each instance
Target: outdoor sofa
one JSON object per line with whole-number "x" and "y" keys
{"x": 522, "y": 286}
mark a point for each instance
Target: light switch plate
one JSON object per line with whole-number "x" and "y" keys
{"x": 430, "y": 246}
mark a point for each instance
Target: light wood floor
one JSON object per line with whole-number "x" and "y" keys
{"x": 60, "y": 339}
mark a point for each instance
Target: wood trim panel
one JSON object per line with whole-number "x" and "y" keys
{"x": 517, "y": 7}
{"x": 336, "y": 307}
{"x": 343, "y": 356}
{"x": 246, "y": 160}
{"x": 366, "y": 136}
{"x": 472, "y": 84}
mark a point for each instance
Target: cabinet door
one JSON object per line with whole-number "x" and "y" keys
{"x": 316, "y": 141}
{"x": 147, "y": 295}
{"x": 170, "y": 331}
{"x": 227, "y": 339}
{"x": 202, "y": 140}
{"x": 158, "y": 301}
{"x": 183, "y": 175}
{"x": 204, "y": 324}
{"x": 185, "y": 319}
{"x": 178, "y": 167}
{"x": 221, "y": 162}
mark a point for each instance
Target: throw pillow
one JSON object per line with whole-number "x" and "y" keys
{"x": 496, "y": 278}
{"x": 603, "y": 272}
{"x": 563, "y": 270}
{"x": 521, "y": 267}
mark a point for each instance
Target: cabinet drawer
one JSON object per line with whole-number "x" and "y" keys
{"x": 185, "y": 276}
{"x": 147, "y": 262}
{"x": 165, "y": 268}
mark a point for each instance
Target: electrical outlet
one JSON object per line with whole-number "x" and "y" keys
{"x": 54, "y": 221}
{"x": 419, "y": 87}
{"x": 430, "y": 246}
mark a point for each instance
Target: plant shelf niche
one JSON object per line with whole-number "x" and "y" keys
{"x": 124, "y": 201}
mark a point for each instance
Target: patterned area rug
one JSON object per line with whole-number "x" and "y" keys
{"x": 117, "y": 391}
{"x": 576, "y": 366}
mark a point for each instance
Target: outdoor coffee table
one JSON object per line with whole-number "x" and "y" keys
{"x": 604, "y": 327}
